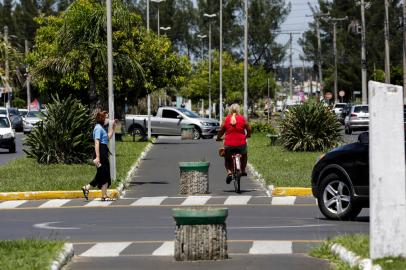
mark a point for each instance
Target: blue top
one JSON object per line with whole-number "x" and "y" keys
{"x": 99, "y": 133}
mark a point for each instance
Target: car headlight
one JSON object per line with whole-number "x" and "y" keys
{"x": 8, "y": 135}
{"x": 206, "y": 124}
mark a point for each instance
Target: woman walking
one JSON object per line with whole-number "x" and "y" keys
{"x": 236, "y": 129}
{"x": 101, "y": 139}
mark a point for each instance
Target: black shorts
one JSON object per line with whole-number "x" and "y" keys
{"x": 230, "y": 150}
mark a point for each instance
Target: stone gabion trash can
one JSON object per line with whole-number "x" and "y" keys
{"x": 186, "y": 132}
{"x": 200, "y": 234}
{"x": 194, "y": 177}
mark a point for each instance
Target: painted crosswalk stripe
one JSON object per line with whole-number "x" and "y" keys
{"x": 150, "y": 201}
{"x": 106, "y": 249}
{"x": 11, "y": 204}
{"x": 166, "y": 249}
{"x": 196, "y": 200}
{"x": 98, "y": 203}
{"x": 237, "y": 200}
{"x": 271, "y": 247}
{"x": 54, "y": 203}
{"x": 288, "y": 200}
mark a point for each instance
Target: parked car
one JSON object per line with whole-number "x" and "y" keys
{"x": 168, "y": 121}
{"x": 344, "y": 112}
{"x": 357, "y": 119}
{"x": 23, "y": 112}
{"x": 338, "y": 108}
{"x": 16, "y": 119}
{"x": 7, "y": 136}
{"x": 31, "y": 119}
{"x": 340, "y": 180}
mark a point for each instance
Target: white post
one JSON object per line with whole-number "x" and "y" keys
{"x": 246, "y": 59}
{"x": 110, "y": 86}
{"x": 387, "y": 171}
{"x": 27, "y": 71}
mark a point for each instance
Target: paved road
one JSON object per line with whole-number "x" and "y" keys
{"x": 5, "y": 156}
{"x": 129, "y": 235}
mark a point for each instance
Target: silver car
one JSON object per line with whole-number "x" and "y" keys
{"x": 31, "y": 120}
{"x": 357, "y": 119}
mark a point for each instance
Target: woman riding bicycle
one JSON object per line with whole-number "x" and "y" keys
{"x": 236, "y": 129}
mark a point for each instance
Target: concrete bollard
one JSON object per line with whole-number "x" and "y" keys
{"x": 194, "y": 178}
{"x": 186, "y": 132}
{"x": 200, "y": 234}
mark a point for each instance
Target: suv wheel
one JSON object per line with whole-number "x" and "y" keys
{"x": 336, "y": 199}
{"x": 12, "y": 148}
{"x": 196, "y": 133}
{"x": 136, "y": 131}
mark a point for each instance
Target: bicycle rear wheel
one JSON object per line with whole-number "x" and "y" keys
{"x": 237, "y": 182}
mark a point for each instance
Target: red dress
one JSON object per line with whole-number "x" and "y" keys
{"x": 235, "y": 134}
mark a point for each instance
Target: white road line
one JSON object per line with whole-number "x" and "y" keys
{"x": 106, "y": 249}
{"x": 11, "y": 204}
{"x": 98, "y": 202}
{"x": 150, "y": 201}
{"x": 54, "y": 203}
{"x": 166, "y": 249}
{"x": 288, "y": 200}
{"x": 237, "y": 200}
{"x": 196, "y": 200}
{"x": 271, "y": 247}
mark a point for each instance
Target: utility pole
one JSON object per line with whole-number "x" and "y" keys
{"x": 246, "y": 59}
{"x": 7, "y": 71}
{"x": 28, "y": 78}
{"x": 201, "y": 38}
{"x": 387, "y": 56}
{"x": 148, "y": 94}
{"x": 335, "y": 61}
{"x": 363, "y": 55}
{"x": 290, "y": 67}
{"x": 210, "y": 16}
{"x": 221, "y": 64}
{"x": 110, "y": 89}
{"x": 404, "y": 51}
{"x": 269, "y": 100}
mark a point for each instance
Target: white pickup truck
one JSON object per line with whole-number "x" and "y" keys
{"x": 169, "y": 120}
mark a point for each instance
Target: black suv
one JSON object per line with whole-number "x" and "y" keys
{"x": 340, "y": 180}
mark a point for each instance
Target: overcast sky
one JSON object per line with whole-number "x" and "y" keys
{"x": 296, "y": 22}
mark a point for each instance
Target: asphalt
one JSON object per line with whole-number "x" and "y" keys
{"x": 5, "y": 156}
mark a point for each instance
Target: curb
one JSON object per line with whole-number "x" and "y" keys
{"x": 74, "y": 194}
{"x": 352, "y": 259}
{"x": 63, "y": 258}
{"x": 278, "y": 191}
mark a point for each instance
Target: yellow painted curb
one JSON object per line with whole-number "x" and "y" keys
{"x": 291, "y": 191}
{"x": 46, "y": 195}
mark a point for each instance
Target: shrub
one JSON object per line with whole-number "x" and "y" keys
{"x": 64, "y": 134}
{"x": 310, "y": 127}
{"x": 19, "y": 103}
{"x": 262, "y": 127}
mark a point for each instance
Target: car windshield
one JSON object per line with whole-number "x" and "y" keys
{"x": 12, "y": 111}
{"x": 342, "y": 105}
{"x": 188, "y": 113}
{"x": 361, "y": 109}
{"x": 34, "y": 114}
{"x": 3, "y": 111}
{"x": 4, "y": 123}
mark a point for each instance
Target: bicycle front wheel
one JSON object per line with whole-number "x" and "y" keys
{"x": 237, "y": 182}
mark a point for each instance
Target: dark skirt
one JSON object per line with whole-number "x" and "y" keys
{"x": 103, "y": 172}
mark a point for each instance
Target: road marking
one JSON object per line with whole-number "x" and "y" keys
{"x": 288, "y": 200}
{"x": 46, "y": 225}
{"x": 237, "y": 200}
{"x": 150, "y": 201}
{"x": 11, "y": 204}
{"x": 98, "y": 203}
{"x": 54, "y": 203}
{"x": 106, "y": 249}
{"x": 166, "y": 249}
{"x": 271, "y": 247}
{"x": 196, "y": 200}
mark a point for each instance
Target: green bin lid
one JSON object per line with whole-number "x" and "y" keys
{"x": 199, "y": 216}
{"x": 202, "y": 166}
{"x": 187, "y": 127}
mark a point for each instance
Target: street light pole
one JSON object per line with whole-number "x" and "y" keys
{"x": 404, "y": 51}
{"x": 27, "y": 71}
{"x": 7, "y": 71}
{"x": 148, "y": 94}
{"x": 221, "y": 64}
{"x": 363, "y": 55}
{"x": 387, "y": 56}
{"x": 290, "y": 67}
{"x": 110, "y": 89}
{"x": 210, "y": 16}
{"x": 164, "y": 29}
{"x": 246, "y": 59}
{"x": 335, "y": 60}
{"x": 201, "y": 38}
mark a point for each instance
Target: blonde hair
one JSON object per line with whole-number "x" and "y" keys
{"x": 234, "y": 110}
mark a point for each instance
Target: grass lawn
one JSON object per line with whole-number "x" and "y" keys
{"x": 25, "y": 174}
{"x": 278, "y": 166}
{"x": 359, "y": 244}
{"x": 28, "y": 254}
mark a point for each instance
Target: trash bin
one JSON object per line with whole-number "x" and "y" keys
{"x": 186, "y": 132}
{"x": 194, "y": 177}
{"x": 200, "y": 234}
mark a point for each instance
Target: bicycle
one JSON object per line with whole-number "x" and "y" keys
{"x": 236, "y": 175}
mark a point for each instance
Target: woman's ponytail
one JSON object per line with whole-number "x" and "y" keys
{"x": 233, "y": 121}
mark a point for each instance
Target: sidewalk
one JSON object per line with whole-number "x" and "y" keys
{"x": 159, "y": 173}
